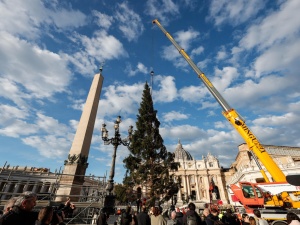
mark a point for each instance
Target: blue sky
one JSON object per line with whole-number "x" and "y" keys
{"x": 50, "y": 51}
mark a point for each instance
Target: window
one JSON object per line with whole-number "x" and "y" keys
{"x": 248, "y": 192}
{"x": 211, "y": 164}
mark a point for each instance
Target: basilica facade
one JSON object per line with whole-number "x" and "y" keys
{"x": 202, "y": 181}
{"x": 198, "y": 176}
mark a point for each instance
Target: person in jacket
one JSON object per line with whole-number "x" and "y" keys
{"x": 172, "y": 220}
{"x": 252, "y": 220}
{"x": 22, "y": 211}
{"x": 143, "y": 218}
{"x": 179, "y": 216}
{"x": 204, "y": 214}
{"x": 156, "y": 218}
{"x": 102, "y": 218}
{"x": 191, "y": 212}
{"x": 260, "y": 221}
{"x": 126, "y": 217}
{"x": 230, "y": 218}
{"x": 46, "y": 214}
{"x": 212, "y": 217}
{"x": 292, "y": 219}
{"x": 245, "y": 219}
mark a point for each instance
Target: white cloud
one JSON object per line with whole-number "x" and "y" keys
{"x": 27, "y": 66}
{"x": 120, "y": 98}
{"x": 222, "y": 54}
{"x": 26, "y": 18}
{"x": 273, "y": 59}
{"x": 50, "y": 125}
{"x": 101, "y": 46}
{"x": 130, "y": 22}
{"x": 49, "y": 146}
{"x": 224, "y": 78}
{"x": 184, "y": 132}
{"x": 167, "y": 91}
{"x": 234, "y": 12}
{"x": 277, "y": 27}
{"x": 140, "y": 68}
{"x": 8, "y": 112}
{"x": 173, "y": 115}
{"x": 163, "y": 10}
{"x": 17, "y": 128}
{"x": 193, "y": 94}
{"x": 103, "y": 20}
{"x": 184, "y": 39}
{"x": 197, "y": 51}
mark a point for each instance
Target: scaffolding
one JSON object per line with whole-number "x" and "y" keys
{"x": 16, "y": 180}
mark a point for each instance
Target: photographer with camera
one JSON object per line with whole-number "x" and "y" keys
{"x": 48, "y": 215}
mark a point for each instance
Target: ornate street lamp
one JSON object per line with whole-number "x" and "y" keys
{"x": 115, "y": 141}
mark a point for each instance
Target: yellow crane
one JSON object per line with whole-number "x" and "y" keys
{"x": 233, "y": 117}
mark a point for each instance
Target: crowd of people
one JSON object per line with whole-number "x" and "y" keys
{"x": 20, "y": 210}
{"x": 155, "y": 216}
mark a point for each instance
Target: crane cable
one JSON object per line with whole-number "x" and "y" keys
{"x": 152, "y": 59}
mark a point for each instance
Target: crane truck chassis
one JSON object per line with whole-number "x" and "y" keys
{"x": 280, "y": 202}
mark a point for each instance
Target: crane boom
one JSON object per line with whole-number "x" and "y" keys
{"x": 233, "y": 117}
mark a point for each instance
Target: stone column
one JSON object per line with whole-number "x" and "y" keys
{"x": 197, "y": 188}
{"x": 45, "y": 187}
{"x": 76, "y": 163}
{"x": 17, "y": 187}
{"x": 185, "y": 187}
{"x": 179, "y": 199}
{"x": 188, "y": 185}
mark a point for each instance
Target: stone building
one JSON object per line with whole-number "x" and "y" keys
{"x": 244, "y": 168}
{"x": 15, "y": 180}
{"x": 197, "y": 176}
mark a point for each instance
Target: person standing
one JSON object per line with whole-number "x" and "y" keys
{"x": 126, "y": 217}
{"x": 204, "y": 215}
{"x": 102, "y": 218}
{"x": 9, "y": 205}
{"x": 252, "y": 220}
{"x": 22, "y": 211}
{"x": 212, "y": 217}
{"x": 143, "y": 217}
{"x": 260, "y": 220}
{"x": 230, "y": 218}
{"x": 245, "y": 219}
{"x": 156, "y": 218}
{"x": 191, "y": 217}
{"x": 179, "y": 216}
{"x": 172, "y": 220}
{"x": 46, "y": 215}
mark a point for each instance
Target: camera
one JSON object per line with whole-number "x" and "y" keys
{"x": 57, "y": 211}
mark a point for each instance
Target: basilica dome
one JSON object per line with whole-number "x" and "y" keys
{"x": 181, "y": 154}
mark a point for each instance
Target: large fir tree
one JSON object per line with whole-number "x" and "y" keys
{"x": 149, "y": 164}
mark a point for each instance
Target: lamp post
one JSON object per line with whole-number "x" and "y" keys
{"x": 115, "y": 141}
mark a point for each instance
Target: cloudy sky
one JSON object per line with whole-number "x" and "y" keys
{"x": 50, "y": 51}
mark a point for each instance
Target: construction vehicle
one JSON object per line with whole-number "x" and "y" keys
{"x": 281, "y": 201}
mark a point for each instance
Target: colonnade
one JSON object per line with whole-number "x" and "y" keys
{"x": 12, "y": 188}
{"x": 198, "y": 186}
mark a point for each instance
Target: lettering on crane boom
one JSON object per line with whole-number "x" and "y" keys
{"x": 253, "y": 138}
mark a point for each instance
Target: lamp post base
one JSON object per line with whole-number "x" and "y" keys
{"x": 109, "y": 204}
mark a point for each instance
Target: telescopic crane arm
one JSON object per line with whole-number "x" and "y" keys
{"x": 233, "y": 117}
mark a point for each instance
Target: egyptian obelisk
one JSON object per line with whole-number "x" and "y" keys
{"x": 75, "y": 166}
